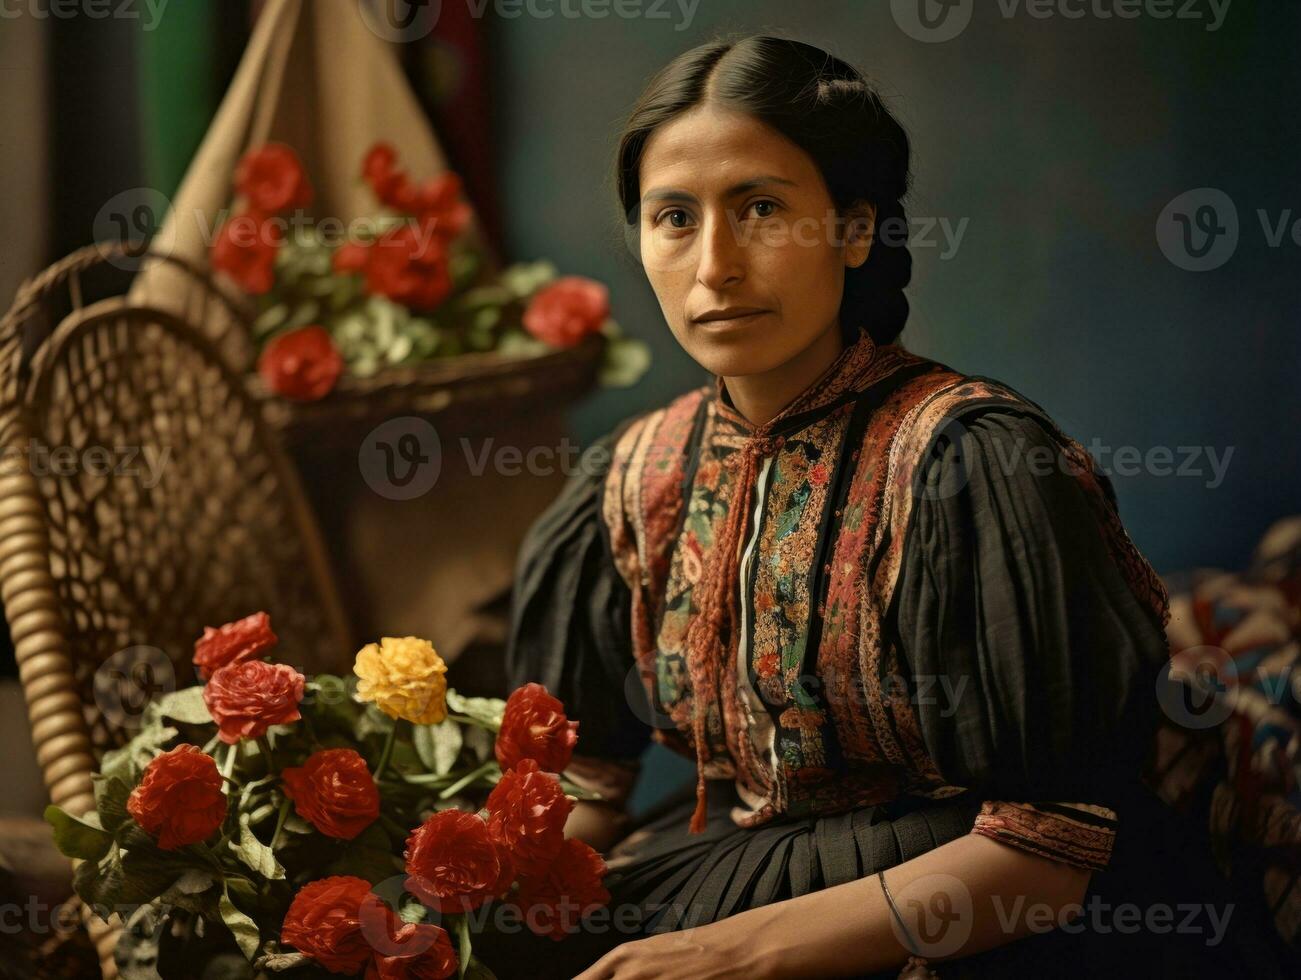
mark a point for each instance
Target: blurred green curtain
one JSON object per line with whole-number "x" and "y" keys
{"x": 183, "y": 67}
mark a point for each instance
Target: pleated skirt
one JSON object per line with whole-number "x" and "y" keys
{"x": 662, "y": 878}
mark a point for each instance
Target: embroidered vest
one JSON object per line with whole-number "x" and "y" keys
{"x": 828, "y": 555}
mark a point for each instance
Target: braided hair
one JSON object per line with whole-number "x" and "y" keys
{"x": 827, "y": 108}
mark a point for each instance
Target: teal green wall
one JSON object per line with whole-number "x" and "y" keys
{"x": 1061, "y": 142}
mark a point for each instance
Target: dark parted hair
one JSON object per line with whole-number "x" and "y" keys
{"x": 827, "y": 108}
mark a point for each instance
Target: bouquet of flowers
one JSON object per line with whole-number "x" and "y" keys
{"x": 367, "y": 826}
{"x": 401, "y": 287}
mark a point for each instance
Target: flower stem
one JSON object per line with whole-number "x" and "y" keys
{"x": 280, "y": 821}
{"x": 467, "y": 720}
{"x": 229, "y": 765}
{"x": 466, "y": 780}
{"x": 387, "y": 753}
{"x": 265, "y": 744}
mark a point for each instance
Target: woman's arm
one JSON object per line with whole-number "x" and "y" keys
{"x": 597, "y": 823}
{"x": 958, "y": 899}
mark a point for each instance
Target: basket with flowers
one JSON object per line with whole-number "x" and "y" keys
{"x": 403, "y": 287}
{"x": 370, "y": 825}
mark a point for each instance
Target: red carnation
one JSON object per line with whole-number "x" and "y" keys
{"x": 244, "y": 639}
{"x": 408, "y": 264}
{"x": 378, "y": 170}
{"x": 553, "y": 902}
{"x": 302, "y": 364}
{"x": 527, "y": 811}
{"x": 564, "y": 312}
{"x": 272, "y": 179}
{"x": 405, "y": 950}
{"x": 334, "y": 792}
{"x": 324, "y": 923}
{"x": 245, "y": 250}
{"x": 246, "y": 699}
{"x": 534, "y": 726}
{"x": 454, "y": 864}
{"x": 437, "y": 202}
{"x": 179, "y": 800}
{"x": 350, "y": 257}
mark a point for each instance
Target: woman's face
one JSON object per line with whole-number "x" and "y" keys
{"x": 735, "y": 217}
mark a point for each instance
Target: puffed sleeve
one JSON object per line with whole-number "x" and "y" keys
{"x": 570, "y": 630}
{"x": 1010, "y": 595}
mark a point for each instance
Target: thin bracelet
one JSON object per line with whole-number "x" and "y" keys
{"x": 903, "y": 925}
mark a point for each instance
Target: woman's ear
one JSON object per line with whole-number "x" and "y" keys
{"x": 859, "y": 220}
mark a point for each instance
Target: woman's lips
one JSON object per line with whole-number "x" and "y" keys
{"x": 731, "y": 321}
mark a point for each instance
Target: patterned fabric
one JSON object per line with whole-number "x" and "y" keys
{"x": 845, "y": 463}
{"x": 1229, "y": 750}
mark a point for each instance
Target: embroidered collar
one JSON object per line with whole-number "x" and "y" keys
{"x": 852, "y": 367}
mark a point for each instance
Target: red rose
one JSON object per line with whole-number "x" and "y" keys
{"x": 534, "y": 726}
{"x": 324, "y": 923}
{"x": 245, "y": 250}
{"x": 405, "y": 950}
{"x": 334, "y": 792}
{"x": 179, "y": 800}
{"x": 272, "y": 179}
{"x": 553, "y": 902}
{"x": 454, "y": 864}
{"x": 409, "y": 265}
{"x": 527, "y": 811}
{"x": 245, "y": 639}
{"x": 567, "y": 310}
{"x": 302, "y": 364}
{"x": 246, "y": 699}
{"x": 767, "y": 665}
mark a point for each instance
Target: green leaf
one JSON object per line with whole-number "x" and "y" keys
{"x": 186, "y": 706}
{"x": 438, "y": 745}
{"x": 110, "y": 800}
{"x": 254, "y": 853}
{"x": 270, "y": 319}
{"x": 241, "y": 926}
{"x": 487, "y": 710}
{"x": 477, "y": 971}
{"x": 463, "y": 953}
{"x": 625, "y": 361}
{"x": 188, "y": 892}
{"x": 480, "y": 741}
{"x": 99, "y": 885}
{"x": 573, "y": 789}
{"x": 147, "y": 872}
{"x": 77, "y": 838}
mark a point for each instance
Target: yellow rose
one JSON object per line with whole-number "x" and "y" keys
{"x": 403, "y": 676}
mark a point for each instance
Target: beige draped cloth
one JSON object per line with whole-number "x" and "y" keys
{"x": 316, "y": 77}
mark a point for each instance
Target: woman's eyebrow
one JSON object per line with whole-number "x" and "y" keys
{"x": 678, "y": 194}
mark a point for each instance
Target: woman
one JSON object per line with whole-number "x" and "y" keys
{"x": 887, "y": 608}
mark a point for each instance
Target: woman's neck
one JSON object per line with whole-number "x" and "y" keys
{"x": 762, "y": 397}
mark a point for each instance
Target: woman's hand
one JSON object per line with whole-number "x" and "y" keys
{"x": 718, "y": 951}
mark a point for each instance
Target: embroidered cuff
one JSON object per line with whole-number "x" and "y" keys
{"x": 612, "y": 778}
{"x": 1078, "y": 834}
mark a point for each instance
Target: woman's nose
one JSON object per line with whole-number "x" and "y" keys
{"x": 722, "y": 254}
